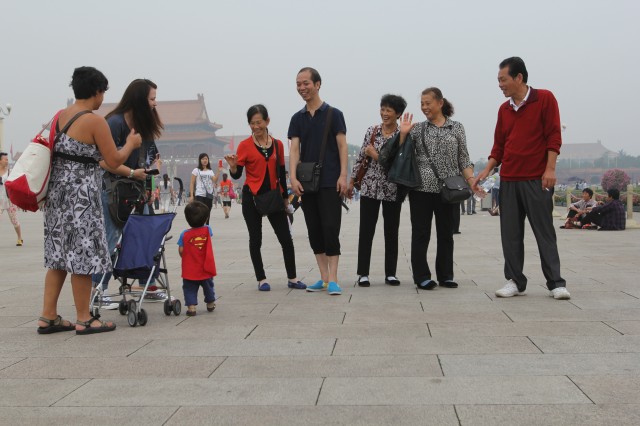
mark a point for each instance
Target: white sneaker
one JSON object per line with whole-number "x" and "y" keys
{"x": 108, "y": 303}
{"x": 560, "y": 293}
{"x": 510, "y": 289}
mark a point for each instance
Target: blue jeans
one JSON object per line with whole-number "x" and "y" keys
{"x": 190, "y": 290}
{"x": 113, "y": 233}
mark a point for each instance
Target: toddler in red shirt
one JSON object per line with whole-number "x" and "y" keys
{"x": 198, "y": 264}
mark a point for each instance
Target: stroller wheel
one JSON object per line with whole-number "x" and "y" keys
{"x": 133, "y": 306}
{"x": 142, "y": 317}
{"x": 177, "y": 307}
{"x": 167, "y": 307}
{"x": 132, "y": 318}
{"x": 123, "y": 307}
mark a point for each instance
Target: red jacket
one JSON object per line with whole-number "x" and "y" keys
{"x": 255, "y": 164}
{"x": 522, "y": 138}
{"x": 198, "y": 262}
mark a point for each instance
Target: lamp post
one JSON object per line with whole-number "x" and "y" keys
{"x": 4, "y": 112}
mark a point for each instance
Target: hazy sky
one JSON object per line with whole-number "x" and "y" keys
{"x": 239, "y": 53}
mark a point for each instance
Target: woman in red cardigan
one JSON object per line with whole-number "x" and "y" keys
{"x": 257, "y": 154}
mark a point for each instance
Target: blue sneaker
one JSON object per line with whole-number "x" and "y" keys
{"x": 318, "y": 286}
{"x": 297, "y": 285}
{"x": 264, "y": 287}
{"x": 334, "y": 288}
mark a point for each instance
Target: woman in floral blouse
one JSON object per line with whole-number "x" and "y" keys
{"x": 440, "y": 143}
{"x": 375, "y": 190}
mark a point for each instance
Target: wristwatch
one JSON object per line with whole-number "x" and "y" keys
{"x": 131, "y": 172}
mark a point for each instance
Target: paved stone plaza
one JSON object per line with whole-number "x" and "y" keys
{"x": 379, "y": 355}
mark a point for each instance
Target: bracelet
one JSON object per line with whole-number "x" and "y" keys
{"x": 131, "y": 172}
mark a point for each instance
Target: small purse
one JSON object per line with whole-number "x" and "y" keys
{"x": 271, "y": 201}
{"x": 308, "y": 174}
{"x": 404, "y": 169}
{"x": 364, "y": 165}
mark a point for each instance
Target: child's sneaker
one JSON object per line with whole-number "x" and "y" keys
{"x": 211, "y": 306}
{"x": 333, "y": 288}
{"x": 318, "y": 286}
{"x": 191, "y": 310}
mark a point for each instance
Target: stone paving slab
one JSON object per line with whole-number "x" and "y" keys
{"x": 80, "y": 416}
{"x": 331, "y": 366}
{"x": 319, "y": 331}
{"x": 625, "y": 327}
{"x": 317, "y": 415}
{"x": 594, "y": 328}
{"x": 587, "y": 344}
{"x": 228, "y": 347}
{"x": 194, "y": 392}
{"x": 450, "y": 390}
{"x": 434, "y": 345}
{"x": 610, "y": 389}
{"x": 540, "y": 365}
{"x": 105, "y": 368}
{"x": 36, "y": 392}
{"x": 549, "y": 415}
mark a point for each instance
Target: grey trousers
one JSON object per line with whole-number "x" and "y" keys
{"x": 527, "y": 199}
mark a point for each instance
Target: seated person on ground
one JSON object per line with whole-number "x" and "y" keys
{"x": 579, "y": 209}
{"x": 611, "y": 216}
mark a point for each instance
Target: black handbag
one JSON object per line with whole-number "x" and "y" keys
{"x": 124, "y": 194}
{"x": 308, "y": 174}
{"x": 454, "y": 189}
{"x": 404, "y": 168}
{"x": 271, "y": 201}
{"x": 388, "y": 153}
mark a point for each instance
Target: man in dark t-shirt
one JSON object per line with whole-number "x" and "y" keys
{"x": 322, "y": 210}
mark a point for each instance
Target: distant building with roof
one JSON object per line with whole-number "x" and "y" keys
{"x": 585, "y": 151}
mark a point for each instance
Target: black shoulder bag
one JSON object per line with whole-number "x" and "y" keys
{"x": 271, "y": 201}
{"x": 309, "y": 173}
{"x": 454, "y": 189}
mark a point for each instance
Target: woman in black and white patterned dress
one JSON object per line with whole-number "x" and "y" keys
{"x": 446, "y": 143}
{"x": 74, "y": 236}
{"x": 375, "y": 190}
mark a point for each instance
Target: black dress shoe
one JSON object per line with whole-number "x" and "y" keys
{"x": 363, "y": 281}
{"x": 448, "y": 284}
{"x": 391, "y": 280}
{"x": 427, "y": 285}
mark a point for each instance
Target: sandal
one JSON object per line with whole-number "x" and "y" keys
{"x": 54, "y": 326}
{"x": 89, "y": 329}
{"x": 19, "y": 244}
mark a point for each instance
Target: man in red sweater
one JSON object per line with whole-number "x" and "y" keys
{"x": 527, "y": 143}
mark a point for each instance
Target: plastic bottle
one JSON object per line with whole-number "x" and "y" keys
{"x": 486, "y": 186}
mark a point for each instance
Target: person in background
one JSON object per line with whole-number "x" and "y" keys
{"x": 495, "y": 193}
{"x": 611, "y": 216}
{"x": 257, "y": 155}
{"x": 579, "y": 209}
{"x": 166, "y": 193}
{"x": 203, "y": 183}
{"x": 527, "y": 142}
{"x": 226, "y": 187}
{"x": 376, "y": 190}
{"x": 5, "y": 203}
{"x": 74, "y": 232}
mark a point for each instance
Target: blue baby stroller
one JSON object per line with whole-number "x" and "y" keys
{"x": 139, "y": 256}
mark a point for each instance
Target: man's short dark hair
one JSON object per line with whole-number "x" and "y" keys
{"x": 315, "y": 75}
{"x": 516, "y": 66}
{"x": 395, "y": 102}
{"x": 196, "y": 214}
{"x": 614, "y": 193}
{"x": 2, "y": 154}
{"x": 588, "y": 191}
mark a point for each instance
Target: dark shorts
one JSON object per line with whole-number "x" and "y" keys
{"x": 226, "y": 203}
